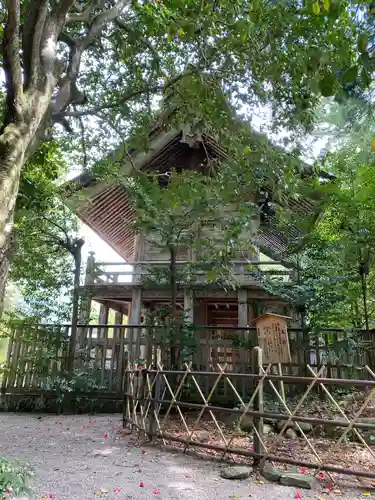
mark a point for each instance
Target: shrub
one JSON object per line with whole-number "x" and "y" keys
{"x": 14, "y": 476}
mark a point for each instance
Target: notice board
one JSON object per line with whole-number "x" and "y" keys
{"x": 273, "y": 338}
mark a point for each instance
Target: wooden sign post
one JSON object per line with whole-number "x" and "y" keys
{"x": 273, "y": 339}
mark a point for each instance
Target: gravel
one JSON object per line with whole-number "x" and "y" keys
{"x": 73, "y": 460}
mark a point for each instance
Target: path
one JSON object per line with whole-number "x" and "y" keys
{"x": 72, "y": 459}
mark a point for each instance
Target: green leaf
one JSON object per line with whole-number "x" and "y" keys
{"x": 316, "y": 8}
{"x": 350, "y": 75}
{"x": 327, "y": 85}
{"x": 326, "y": 4}
{"x": 365, "y": 78}
{"x": 362, "y": 42}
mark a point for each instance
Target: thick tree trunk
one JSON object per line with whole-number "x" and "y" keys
{"x": 5, "y": 259}
{"x": 12, "y": 157}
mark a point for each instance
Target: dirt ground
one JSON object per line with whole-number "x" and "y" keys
{"x": 84, "y": 458}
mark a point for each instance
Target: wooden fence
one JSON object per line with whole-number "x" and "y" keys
{"x": 37, "y": 354}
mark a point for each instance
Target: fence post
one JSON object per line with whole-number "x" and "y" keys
{"x": 155, "y": 396}
{"x": 258, "y": 404}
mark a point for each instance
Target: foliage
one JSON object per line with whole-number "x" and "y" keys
{"x": 189, "y": 211}
{"x": 335, "y": 259}
{"x": 99, "y": 69}
{"x": 42, "y": 268}
{"x": 172, "y": 331}
{"x": 14, "y": 476}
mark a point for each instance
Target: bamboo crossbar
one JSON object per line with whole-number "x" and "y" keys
{"x": 268, "y": 415}
{"x": 289, "y": 379}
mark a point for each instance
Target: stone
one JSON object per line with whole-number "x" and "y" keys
{"x": 271, "y": 473}
{"x": 298, "y": 480}
{"x": 305, "y": 427}
{"x": 368, "y": 437}
{"x": 290, "y": 434}
{"x": 246, "y": 425}
{"x": 267, "y": 429}
{"x": 236, "y": 472}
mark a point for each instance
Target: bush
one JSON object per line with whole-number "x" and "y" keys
{"x": 14, "y": 476}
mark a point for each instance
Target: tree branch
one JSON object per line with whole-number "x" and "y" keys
{"x": 85, "y": 15}
{"x": 64, "y": 96}
{"x": 31, "y": 40}
{"x": 143, "y": 40}
{"x": 83, "y": 143}
{"x": 127, "y": 97}
{"x": 12, "y": 53}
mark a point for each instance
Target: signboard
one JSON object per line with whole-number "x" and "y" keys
{"x": 273, "y": 338}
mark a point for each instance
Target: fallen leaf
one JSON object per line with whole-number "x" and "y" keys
{"x": 261, "y": 482}
{"x": 320, "y": 498}
{"x": 142, "y": 484}
{"x": 106, "y": 436}
{"x": 103, "y": 490}
{"x": 156, "y": 492}
{"x": 236, "y": 495}
{"x": 366, "y": 494}
{"x": 298, "y": 495}
{"x": 117, "y": 490}
{"x": 41, "y": 461}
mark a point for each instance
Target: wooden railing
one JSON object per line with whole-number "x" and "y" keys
{"x": 242, "y": 272}
{"x": 37, "y": 354}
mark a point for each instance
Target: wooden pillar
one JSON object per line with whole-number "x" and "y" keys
{"x": 85, "y": 309}
{"x": 135, "y": 319}
{"x": 243, "y": 321}
{"x": 189, "y": 305}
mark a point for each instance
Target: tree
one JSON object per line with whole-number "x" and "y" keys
{"x": 336, "y": 287}
{"x": 187, "y": 211}
{"x": 43, "y": 237}
{"x": 105, "y": 61}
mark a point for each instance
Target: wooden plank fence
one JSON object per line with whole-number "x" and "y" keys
{"x": 37, "y": 354}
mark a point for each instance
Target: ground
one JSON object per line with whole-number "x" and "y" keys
{"x": 83, "y": 458}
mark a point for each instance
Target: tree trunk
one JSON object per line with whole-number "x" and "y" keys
{"x": 11, "y": 162}
{"x": 173, "y": 283}
{"x": 5, "y": 259}
{"x": 77, "y": 254}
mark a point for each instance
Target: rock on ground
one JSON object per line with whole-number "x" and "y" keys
{"x": 298, "y": 480}
{"x": 271, "y": 473}
{"x": 236, "y": 472}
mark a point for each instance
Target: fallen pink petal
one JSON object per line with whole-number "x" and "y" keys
{"x": 106, "y": 436}
{"x": 298, "y": 495}
{"x": 303, "y": 470}
{"x": 52, "y": 495}
{"x": 142, "y": 484}
{"x": 321, "y": 475}
{"x": 156, "y": 492}
{"x": 117, "y": 490}
{"x": 143, "y": 452}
